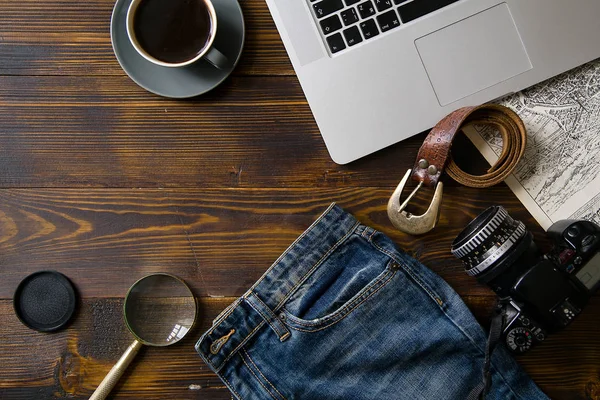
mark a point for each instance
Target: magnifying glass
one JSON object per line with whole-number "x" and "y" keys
{"x": 159, "y": 309}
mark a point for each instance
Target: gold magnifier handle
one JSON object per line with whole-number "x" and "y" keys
{"x": 113, "y": 376}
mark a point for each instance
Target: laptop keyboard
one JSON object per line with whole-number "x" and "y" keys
{"x": 345, "y": 23}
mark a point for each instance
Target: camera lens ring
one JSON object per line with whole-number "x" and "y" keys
{"x": 499, "y": 251}
{"x": 499, "y": 215}
{"x": 488, "y": 240}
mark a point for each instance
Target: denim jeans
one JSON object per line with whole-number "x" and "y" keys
{"x": 343, "y": 314}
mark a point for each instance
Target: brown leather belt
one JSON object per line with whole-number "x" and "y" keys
{"x": 434, "y": 157}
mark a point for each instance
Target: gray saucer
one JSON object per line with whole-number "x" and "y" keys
{"x": 183, "y": 82}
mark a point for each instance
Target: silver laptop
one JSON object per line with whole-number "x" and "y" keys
{"x": 376, "y": 72}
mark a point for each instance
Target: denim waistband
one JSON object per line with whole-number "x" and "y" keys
{"x": 260, "y": 304}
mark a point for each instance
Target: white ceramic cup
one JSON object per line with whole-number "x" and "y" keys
{"x": 208, "y": 52}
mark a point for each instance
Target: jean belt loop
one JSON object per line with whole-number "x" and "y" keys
{"x": 268, "y": 315}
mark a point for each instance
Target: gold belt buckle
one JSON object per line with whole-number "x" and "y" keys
{"x": 410, "y": 223}
{"x": 434, "y": 155}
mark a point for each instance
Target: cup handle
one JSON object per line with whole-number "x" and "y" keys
{"x": 218, "y": 59}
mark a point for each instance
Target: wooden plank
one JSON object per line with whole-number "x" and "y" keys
{"x": 57, "y": 37}
{"x": 219, "y": 240}
{"x": 71, "y": 363}
{"x": 250, "y": 132}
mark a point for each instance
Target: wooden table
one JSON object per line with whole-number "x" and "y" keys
{"x": 107, "y": 183}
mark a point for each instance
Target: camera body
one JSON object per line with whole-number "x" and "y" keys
{"x": 539, "y": 293}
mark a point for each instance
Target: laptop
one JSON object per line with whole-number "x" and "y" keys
{"x": 376, "y": 72}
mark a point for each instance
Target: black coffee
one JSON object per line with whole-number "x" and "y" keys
{"x": 172, "y": 31}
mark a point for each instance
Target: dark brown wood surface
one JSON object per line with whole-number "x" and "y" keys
{"x": 107, "y": 183}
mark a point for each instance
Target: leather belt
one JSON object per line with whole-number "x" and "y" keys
{"x": 435, "y": 156}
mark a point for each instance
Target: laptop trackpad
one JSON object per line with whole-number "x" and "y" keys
{"x": 473, "y": 54}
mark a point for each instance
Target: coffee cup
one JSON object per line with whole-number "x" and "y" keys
{"x": 174, "y": 33}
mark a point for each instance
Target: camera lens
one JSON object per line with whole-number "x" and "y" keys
{"x": 495, "y": 244}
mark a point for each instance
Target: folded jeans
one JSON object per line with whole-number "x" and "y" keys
{"x": 343, "y": 314}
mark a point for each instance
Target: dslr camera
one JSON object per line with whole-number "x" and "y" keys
{"x": 539, "y": 293}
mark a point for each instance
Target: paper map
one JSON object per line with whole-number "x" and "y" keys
{"x": 559, "y": 176}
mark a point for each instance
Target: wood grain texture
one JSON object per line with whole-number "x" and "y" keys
{"x": 220, "y": 240}
{"x": 250, "y": 132}
{"x": 73, "y": 362}
{"x": 73, "y": 38}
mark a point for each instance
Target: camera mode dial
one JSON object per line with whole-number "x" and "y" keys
{"x": 519, "y": 339}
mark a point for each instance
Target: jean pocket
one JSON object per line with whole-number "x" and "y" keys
{"x": 351, "y": 275}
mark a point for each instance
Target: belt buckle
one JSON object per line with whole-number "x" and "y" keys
{"x": 410, "y": 223}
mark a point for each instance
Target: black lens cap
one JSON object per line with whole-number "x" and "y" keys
{"x": 45, "y": 301}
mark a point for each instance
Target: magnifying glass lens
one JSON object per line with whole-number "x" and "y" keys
{"x": 160, "y": 310}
